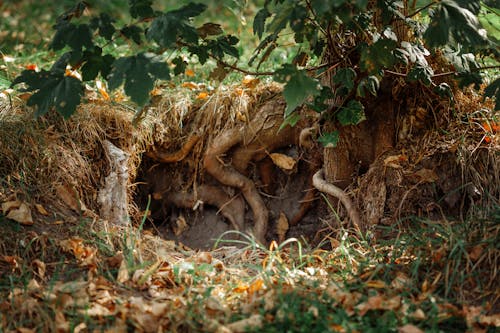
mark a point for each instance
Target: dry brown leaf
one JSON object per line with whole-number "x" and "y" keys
{"x": 62, "y": 325}
{"x": 283, "y": 161}
{"x": 190, "y": 85}
{"x": 41, "y": 210}
{"x": 40, "y": 267}
{"x": 426, "y": 175}
{"x": 10, "y": 205}
{"x": 21, "y": 215}
{"x": 123, "y": 274}
{"x": 253, "y": 322}
{"x": 376, "y": 284}
{"x": 250, "y": 81}
{"x": 13, "y": 261}
{"x": 82, "y": 328}
{"x": 203, "y": 258}
{"x": 97, "y": 310}
{"x": 379, "y": 302}
{"x": 493, "y": 320}
{"x": 409, "y": 328}
{"x": 394, "y": 161}
{"x": 418, "y": 314}
{"x": 180, "y": 225}
{"x": 475, "y": 252}
{"x": 68, "y": 196}
{"x": 401, "y": 281}
{"x": 282, "y": 227}
{"x": 25, "y": 330}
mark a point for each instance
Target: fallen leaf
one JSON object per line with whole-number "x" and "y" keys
{"x": 250, "y": 81}
{"x": 256, "y": 286}
{"x": 189, "y": 85}
{"x": 22, "y": 215}
{"x": 180, "y": 225}
{"x": 475, "y": 252}
{"x": 68, "y": 196}
{"x": 72, "y": 73}
{"x": 123, "y": 274}
{"x": 189, "y": 72}
{"x": 13, "y": 261}
{"x": 32, "y": 67}
{"x": 62, "y": 325}
{"x": 40, "y": 267}
{"x": 378, "y": 284}
{"x": 101, "y": 88}
{"x": 41, "y": 210}
{"x": 202, "y": 95}
{"x": 409, "y": 328}
{"x": 282, "y": 227}
{"x": 493, "y": 320}
{"x": 426, "y": 175}
{"x": 394, "y": 161}
{"x": 252, "y": 323}
{"x": 283, "y": 161}
{"x": 9, "y": 205}
{"x": 418, "y": 314}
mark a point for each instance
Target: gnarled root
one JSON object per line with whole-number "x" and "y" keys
{"x": 229, "y": 176}
{"x": 320, "y": 183}
{"x": 177, "y": 156}
{"x": 232, "y": 209}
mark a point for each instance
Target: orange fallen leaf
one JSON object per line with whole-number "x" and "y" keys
{"x": 32, "y": 67}
{"x": 250, "y": 81}
{"x": 202, "y": 95}
{"x": 256, "y": 286}
{"x": 101, "y": 88}
{"x": 41, "y": 210}
{"x": 73, "y": 74}
{"x": 242, "y": 287}
{"x": 189, "y": 72}
{"x": 189, "y": 85}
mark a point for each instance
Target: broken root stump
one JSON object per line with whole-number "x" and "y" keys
{"x": 113, "y": 196}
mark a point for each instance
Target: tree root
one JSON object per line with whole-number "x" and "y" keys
{"x": 229, "y": 176}
{"x": 178, "y": 156}
{"x": 320, "y": 183}
{"x": 232, "y": 209}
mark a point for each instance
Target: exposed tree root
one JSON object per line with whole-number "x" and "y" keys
{"x": 320, "y": 183}
{"x": 227, "y": 175}
{"x": 232, "y": 209}
{"x": 178, "y": 156}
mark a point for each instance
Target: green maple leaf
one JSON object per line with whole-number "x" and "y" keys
{"x": 345, "y": 77}
{"x": 259, "y": 21}
{"x": 298, "y": 86}
{"x": 166, "y": 28}
{"x": 351, "y": 114}
{"x": 330, "y": 139}
{"x": 138, "y": 73}
{"x": 51, "y": 90}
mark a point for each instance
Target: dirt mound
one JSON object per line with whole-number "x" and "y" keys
{"x": 194, "y": 160}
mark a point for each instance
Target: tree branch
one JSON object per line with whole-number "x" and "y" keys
{"x": 422, "y": 9}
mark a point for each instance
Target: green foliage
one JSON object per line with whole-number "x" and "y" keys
{"x": 298, "y": 86}
{"x": 53, "y": 89}
{"x": 139, "y": 73}
{"x": 367, "y": 50}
